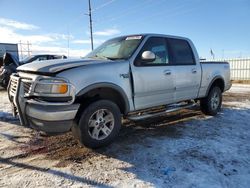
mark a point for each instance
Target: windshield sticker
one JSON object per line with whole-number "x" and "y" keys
{"x": 133, "y": 37}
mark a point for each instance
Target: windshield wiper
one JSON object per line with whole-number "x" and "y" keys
{"x": 108, "y": 58}
{"x": 98, "y": 57}
{"x": 115, "y": 58}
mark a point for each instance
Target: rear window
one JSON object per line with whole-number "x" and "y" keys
{"x": 181, "y": 52}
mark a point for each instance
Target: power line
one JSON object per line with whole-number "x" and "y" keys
{"x": 103, "y": 5}
{"x": 123, "y": 13}
{"x": 90, "y": 21}
{"x": 90, "y": 18}
{"x": 178, "y": 10}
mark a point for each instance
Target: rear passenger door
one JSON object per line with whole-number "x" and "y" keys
{"x": 187, "y": 73}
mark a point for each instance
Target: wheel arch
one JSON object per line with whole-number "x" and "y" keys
{"x": 107, "y": 91}
{"x": 216, "y": 81}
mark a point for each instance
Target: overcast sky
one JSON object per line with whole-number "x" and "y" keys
{"x": 220, "y": 25}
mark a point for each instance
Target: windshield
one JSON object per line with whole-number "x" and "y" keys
{"x": 118, "y": 48}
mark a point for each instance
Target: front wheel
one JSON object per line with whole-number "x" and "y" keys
{"x": 99, "y": 124}
{"x": 211, "y": 104}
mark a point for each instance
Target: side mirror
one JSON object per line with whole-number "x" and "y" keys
{"x": 148, "y": 56}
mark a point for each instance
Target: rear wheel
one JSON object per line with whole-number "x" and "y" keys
{"x": 99, "y": 124}
{"x": 211, "y": 105}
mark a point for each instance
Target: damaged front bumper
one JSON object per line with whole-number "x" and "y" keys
{"x": 40, "y": 115}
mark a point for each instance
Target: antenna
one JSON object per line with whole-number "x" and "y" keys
{"x": 68, "y": 41}
{"x": 28, "y": 46}
{"x": 90, "y": 26}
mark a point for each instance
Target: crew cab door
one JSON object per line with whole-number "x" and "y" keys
{"x": 153, "y": 81}
{"x": 187, "y": 72}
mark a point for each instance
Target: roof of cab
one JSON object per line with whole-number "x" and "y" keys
{"x": 154, "y": 35}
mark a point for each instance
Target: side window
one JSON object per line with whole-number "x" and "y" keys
{"x": 181, "y": 52}
{"x": 41, "y": 58}
{"x": 159, "y": 47}
{"x": 51, "y": 57}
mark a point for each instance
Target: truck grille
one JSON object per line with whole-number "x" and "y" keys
{"x": 13, "y": 85}
{"x": 27, "y": 87}
{"x": 26, "y": 83}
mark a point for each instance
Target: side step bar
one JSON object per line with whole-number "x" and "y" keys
{"x": 171, "y": 108}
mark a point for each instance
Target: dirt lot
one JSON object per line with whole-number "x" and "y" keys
{"x": 184, "y": 149}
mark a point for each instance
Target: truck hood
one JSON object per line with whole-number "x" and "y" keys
{"x": 55, "y": 66}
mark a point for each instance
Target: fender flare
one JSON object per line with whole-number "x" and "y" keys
{"x": 212, "y": 82}
{"x": 107, "y": 85}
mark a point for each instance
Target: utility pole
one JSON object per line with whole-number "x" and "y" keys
{"x": 28, "y": 47}
{"x": 90, "y": 26}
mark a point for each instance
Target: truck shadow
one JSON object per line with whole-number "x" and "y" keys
{"x": 53, "y": 172}
{"x": 133, "y": 146}
{"x": 66, "y": 150}
{"x": 142, "y": 145}
{"x": 13, "y": 138}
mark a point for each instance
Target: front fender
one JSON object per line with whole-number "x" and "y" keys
{"x": 106, "y": 85}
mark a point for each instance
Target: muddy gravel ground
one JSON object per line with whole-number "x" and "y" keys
{"x": 183, "y": 149}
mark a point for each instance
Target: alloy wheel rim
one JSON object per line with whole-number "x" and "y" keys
{"x": 215, "y": 101}
{"x": 101, "y": 124}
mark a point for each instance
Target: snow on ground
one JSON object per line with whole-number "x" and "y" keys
{"x": 240, "y": 88}
{"x": 183, "y": 149}
{"x": 5, "y": 107}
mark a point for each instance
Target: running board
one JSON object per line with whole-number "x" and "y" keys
{"x": 172, "y": 108}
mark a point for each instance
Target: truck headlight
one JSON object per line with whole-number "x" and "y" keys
{"x": 52, "y": 86}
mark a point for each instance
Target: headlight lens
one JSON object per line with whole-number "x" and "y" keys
{"x": 51, "y": 86}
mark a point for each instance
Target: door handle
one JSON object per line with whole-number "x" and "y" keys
{"x": 194, "y": 71}
{"x": 167, "y": 72}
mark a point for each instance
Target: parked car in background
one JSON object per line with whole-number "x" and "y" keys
{"x": 134, "y": 77}
{"x": 10, "y": 63}
{"x": 1, "y": 61}
{"x": 41, "y": 58}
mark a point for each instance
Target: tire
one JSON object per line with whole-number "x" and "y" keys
{"x": 211, "y": 104}
{"x": 99, "y": 124}
{"x": 4, "y": 81}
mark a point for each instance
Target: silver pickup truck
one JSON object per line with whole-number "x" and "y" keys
{"x": 126, "y": 77}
